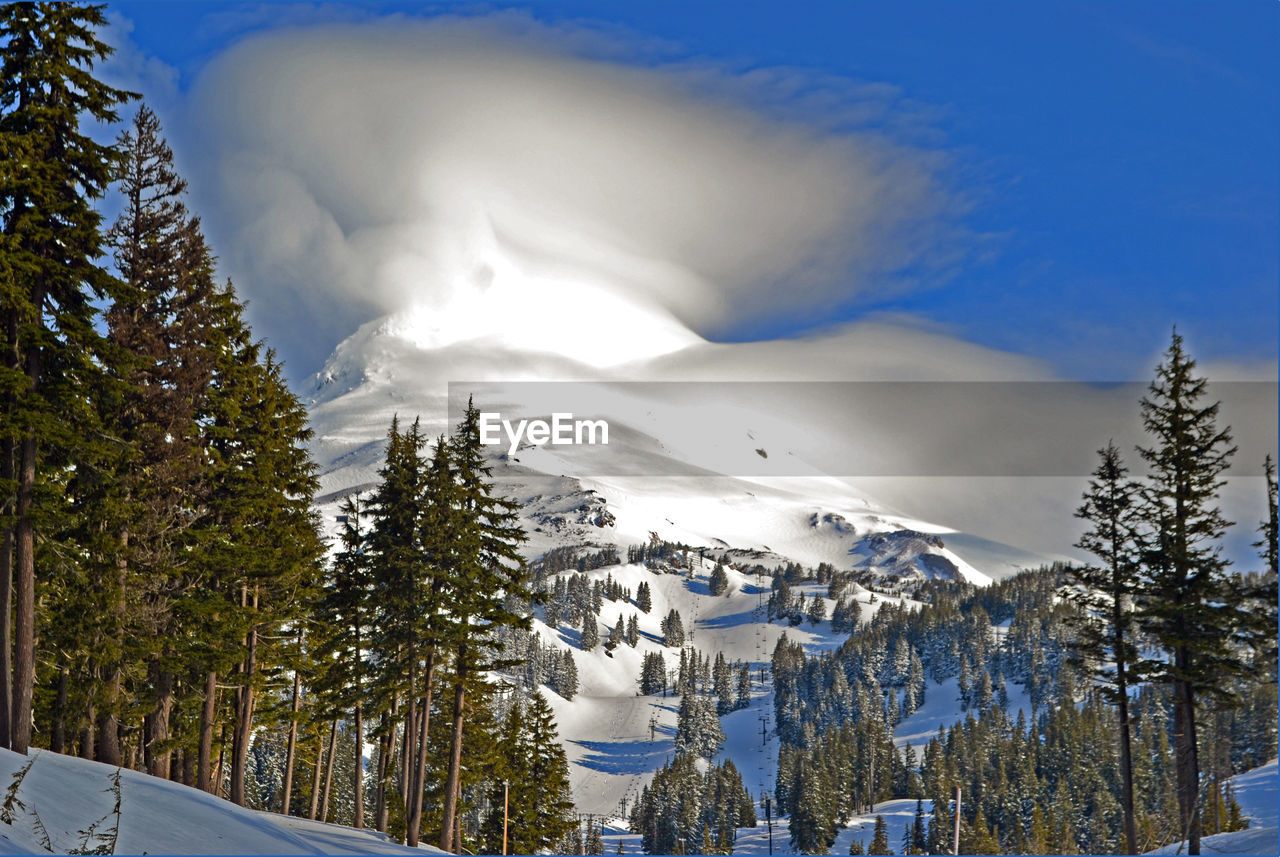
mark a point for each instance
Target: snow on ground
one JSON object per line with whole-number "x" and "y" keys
{"x": 756, "y": 840}
{"x": 69, "y": 804}
{"x": 1261, "y": 841}
{"x": 1256, "y": 791}
{"x": 942, "y": 709}
{"x": 612, "y": 750}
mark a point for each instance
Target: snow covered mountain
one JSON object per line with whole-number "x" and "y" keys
{"x": 747, "y": 478}
{"x": 749, "y": 488}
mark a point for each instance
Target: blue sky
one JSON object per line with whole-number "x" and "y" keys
{"x": 1119, "y": 160}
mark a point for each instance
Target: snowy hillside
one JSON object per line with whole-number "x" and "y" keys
{"x": 61, "y": 804}
{"x": 743, "y": 488}
{"x": 1256, "y": 792}
{"x": 606, "y": 726}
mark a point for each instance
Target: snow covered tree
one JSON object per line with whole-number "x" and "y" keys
{"x": 719, "y": 581}
{"x": 817, "y": 610}
{"x": 590, "y": 632}
{"x": 633, "y": 631}
{"x": 653, "y": 674}
{"x": 722, "y": 683}
{"x": 673, "y": 630}
{"x": 644, "y": 598}
{"x": 698, "y": 729}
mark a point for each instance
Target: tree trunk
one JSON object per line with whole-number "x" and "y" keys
{"x": 58, "y": 738}
{"x": 108, "y": 740}
{"x": 24, "y": 666}
{"x": 1188, "y": 763}
{"x": 407, "y": 755}
{"x": 385, "y": 731}
{"x": 158, "y": 761}
{"x": 87, "y": 750}
{"x": 221, "y": 766}
{"x": 290, "y": 754}
{"x": 6, "y": 611}
{"x": 8, "y": 472}
{"x": 244, "y": 709}
{"x": 204, "y": 752}
{"x": 108, "y": 721}
{"x": 419, "y": 778}
{"x": 455, "y": 752}
{"x": 315, "y": 778}
{"x": 328, "y": 774}
{"x": 358, "y": 776}
{"x": 189, "y": 769}
{"x": 1126, "y": 752}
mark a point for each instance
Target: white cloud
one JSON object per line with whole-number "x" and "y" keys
{"x": 360, "y": 169}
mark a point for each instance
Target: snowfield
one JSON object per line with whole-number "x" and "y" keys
{"x": 65, "y": 804}
{"x": 1256, "y": 791}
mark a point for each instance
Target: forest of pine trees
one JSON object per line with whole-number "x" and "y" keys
{"x": 167, "y": 603}
{"x": 1159, "y": 650}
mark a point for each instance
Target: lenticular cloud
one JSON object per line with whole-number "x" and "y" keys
{"x": 496, "y": 176}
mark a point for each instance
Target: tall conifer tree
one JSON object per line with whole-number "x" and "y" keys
{"x": 1189, "y": 605}
{"x": 52, "y": 243}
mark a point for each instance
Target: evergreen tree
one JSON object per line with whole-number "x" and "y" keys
{"x": 52, "y": 240}
{"x": 633, "y": 631}
{"x": 567, "y": 682}
{"x": 644, "y": 598}
{"x": 673, "y": 630}
{"x": 616, "y": 634}
{"x": 653, "y": 674}
{"x": 487, "y": 561}
{"x": 590, "y": 632}
{"x": 698, "y": 731}
{"x": 817, "y": 610}
{"x": 1188, "y": 604}
{"x": 719, "y": 582}
{"x": 880, "y": 838}
{"x": 533, "y": 765}
{"x": 344, "y": 611}
{"x": 1105, "y": 594}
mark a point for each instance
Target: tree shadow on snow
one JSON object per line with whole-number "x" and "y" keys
{"x": 628, "y": 757}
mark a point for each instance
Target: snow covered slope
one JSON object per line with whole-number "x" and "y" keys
{"x": 62, "y": 804}
{"x": 749, "y": 484}
{"x": 703, "y": 466}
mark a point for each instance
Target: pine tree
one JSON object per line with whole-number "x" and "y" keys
{"x": 52, "y": 240}
{"x": 1188, "y": 605}
{"x": 633, "y": 631}
{"x": 590, "y": 632}
{"x": 817, "y": 610}
{"x": 567, "y": 684}
{"x": 644, "y": 599}
{"x": 616, "y": 634}
{"x": 673, "y": 630}
{"x": 880, "y": 838}
{"x": 719, "y": 582}
{"x": 653, "y": 674}
{"x": 486, "y": 559}
{"x": 345, "y": 611}
{"x": 698, "y": 730}
{"x": 1105, "y": 593}
{"x": 533, "y": 764}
